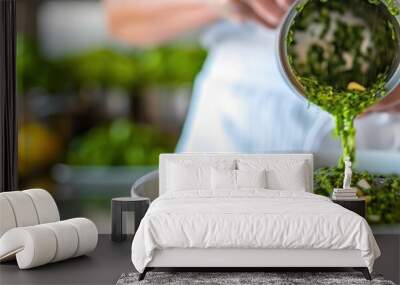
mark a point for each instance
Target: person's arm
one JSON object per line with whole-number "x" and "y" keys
{"x": 148, "y": 22}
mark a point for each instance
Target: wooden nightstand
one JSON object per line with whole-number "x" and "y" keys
{"x": 356, "y": 205}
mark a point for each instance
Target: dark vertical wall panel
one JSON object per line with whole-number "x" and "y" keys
{"x": 8, "y": 100}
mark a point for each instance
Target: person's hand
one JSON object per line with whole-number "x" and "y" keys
{"x": 393, "y": 107}
{"x": 266, "y": 12}
{"x": 233, "y": 10}
{"x": 269, "y": 12}
{"x": 389, "y": 104}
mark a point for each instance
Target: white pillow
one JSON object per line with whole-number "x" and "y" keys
{"x": 237, "y": 179}
{"x": 181, "y": 177}
{"x": 223, "y": 179}
{"x": 251, "y": 178}
{"x": 193, "y": 174}
{"x": 285, "y": 174}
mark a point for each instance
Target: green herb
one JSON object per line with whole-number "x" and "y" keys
{"x": 346, "y": 62}
{"x": 382, "y": 192}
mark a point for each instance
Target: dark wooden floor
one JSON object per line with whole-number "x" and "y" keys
{"x": 111, "y": 259}
{"x": 103, "y": 266}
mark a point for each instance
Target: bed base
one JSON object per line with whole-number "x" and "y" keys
{"x": 242, "y": 259}
{"x": 363, "y": 270}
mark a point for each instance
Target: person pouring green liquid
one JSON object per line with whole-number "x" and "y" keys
{"x": 240, "y": 101}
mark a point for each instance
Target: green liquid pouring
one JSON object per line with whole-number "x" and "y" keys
{"x": 341, "y": 52}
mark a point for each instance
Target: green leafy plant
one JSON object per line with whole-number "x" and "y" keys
{"x": 382, "y": 192}
{"x": 170, "y": 66}
{"x": 102, "y": 68}
{"x": 119, "y": 143}
{"x": 105, "y": 68}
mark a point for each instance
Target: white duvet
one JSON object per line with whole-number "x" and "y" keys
{"x": 250, "y": 219}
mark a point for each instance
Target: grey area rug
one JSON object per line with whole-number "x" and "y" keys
{"x": 268, "y": 278}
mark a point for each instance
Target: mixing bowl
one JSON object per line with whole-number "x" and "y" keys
{"x": 283, "y": 60}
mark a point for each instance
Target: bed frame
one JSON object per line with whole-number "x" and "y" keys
{"x": 245, "y": 259}
{"x": 241, "y": 259}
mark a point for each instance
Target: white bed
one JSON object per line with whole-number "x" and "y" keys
{"x": 197, "y": 225}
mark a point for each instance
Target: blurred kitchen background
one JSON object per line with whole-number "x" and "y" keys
{"x": 94, "y": 114}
